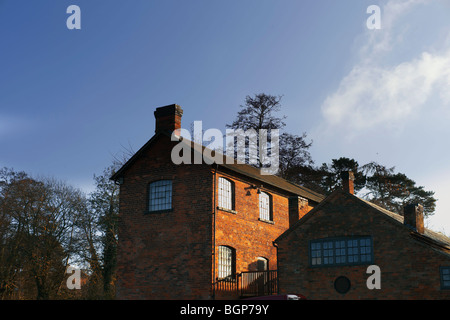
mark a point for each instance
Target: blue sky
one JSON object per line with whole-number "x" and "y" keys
{"x": 70, "y": 100}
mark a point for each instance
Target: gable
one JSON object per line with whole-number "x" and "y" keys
{"x": 343, "y": 213}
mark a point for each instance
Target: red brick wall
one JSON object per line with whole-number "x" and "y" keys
{"x": 165, "y": 255}
{"x": 250, "y": 237}
{"x": 409, "y": 268}
{"x": 169, "y": 255}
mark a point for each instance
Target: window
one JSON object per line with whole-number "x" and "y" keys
{"x": 262, "y": 264}
{"x": 227, "y": 262}
{"x": 341, "y": 251}
{"x": 226, "y": 194}
{"x": 160, "y": 195}
{"x": 265, "y": 208}
{"x": 445, "y": 277}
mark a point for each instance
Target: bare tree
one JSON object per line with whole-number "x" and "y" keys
{"x": 38, "y": 218}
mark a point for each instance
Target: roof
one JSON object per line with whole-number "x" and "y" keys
{"x": 275, "y": 181}
{"x": 231, "y": 164}
{"x": 435, "y": 239}
{"x": 432, "y": 235}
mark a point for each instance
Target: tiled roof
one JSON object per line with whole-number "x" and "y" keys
{"x": 255, "y": 173}
{"x": 231, "y": 164}
{"x": 433, "y": 235}
{"x": 434, "y": 239}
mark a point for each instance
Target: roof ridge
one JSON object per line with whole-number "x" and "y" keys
{"x": 264, "y": 178}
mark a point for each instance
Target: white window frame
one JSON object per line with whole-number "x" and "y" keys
{"x": 265, "y": 206}
{"x": 226, "y": 262}
{"x": 226, "y": 194}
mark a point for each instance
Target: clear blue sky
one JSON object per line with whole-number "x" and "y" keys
{"x": 72, "y": 99}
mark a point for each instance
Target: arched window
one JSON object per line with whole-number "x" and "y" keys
{"x": 160, "y": 195}
{"x": 265, "y": 207}
{"x": 262, "y": 264}
{"x": 226, "y": 262}
{"x": 226, "y": 194}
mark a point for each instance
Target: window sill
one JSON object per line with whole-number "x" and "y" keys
{"x": 158, "y": 211}
{"x": 266, "y": 221}
{"x": 227, "y": 210}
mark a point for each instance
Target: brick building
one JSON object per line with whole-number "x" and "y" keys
{"x": 187, "y": 230}
{"x": 326, "y": 254}
{"x": 199, "y": 231}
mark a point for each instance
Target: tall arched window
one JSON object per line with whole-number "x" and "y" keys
{"x": 226, "y": 194}
{"x": 265, "y": 207}
{"x": 226, "y": 262}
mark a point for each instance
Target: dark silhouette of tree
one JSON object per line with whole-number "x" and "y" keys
{"x": 375, "y": 182}
{"x": 261, "y": 113}
{"x": 331, "y": 174}
{"x": 393, "y": 190}
{"x": 38, "y": 220}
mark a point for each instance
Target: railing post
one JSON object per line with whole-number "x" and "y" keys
{"x": 238, "y": 275}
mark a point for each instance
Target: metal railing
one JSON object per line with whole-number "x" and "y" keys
{"x": 258, "y": 283}
{"x": 227, "y": 287}
{"x": 248, "y": 284}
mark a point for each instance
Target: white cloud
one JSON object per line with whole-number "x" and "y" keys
{"x": 376, "y": 93}
{"x": 381, "y": 42}
{"x": 372, "y": 95}
{"x": 396, "y": 79}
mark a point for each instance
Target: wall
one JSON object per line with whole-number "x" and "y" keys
{"x": 409, "y": 268}
{"x": 165, "y": 255}
{"x": 244, "y": 231}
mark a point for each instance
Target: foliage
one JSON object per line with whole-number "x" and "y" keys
{"x": 46, "y": 225}
{"x": 260, "y": 113}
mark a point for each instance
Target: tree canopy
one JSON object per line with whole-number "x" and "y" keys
{"x": 373, "y": 181}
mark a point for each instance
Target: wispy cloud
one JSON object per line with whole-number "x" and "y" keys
{"x": 381, "y": 42}
{"x": 11, "y": 125}
{"x": 375, "y": 93}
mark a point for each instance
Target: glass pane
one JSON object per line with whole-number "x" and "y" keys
{"x": 160, "y": 197}
{"x": 264, "y": 206}
{"x": 225, "y": 194}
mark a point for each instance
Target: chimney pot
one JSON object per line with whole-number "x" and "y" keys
{"x": 348, "y": 181}
{"x": 413, "y": 217}
{"x": 168, "y": 118}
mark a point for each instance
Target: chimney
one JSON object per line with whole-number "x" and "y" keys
{"x": 168, "y": 118}
{"x": 413, "y": 217}
{"x": 348, "y": 181}
{"x": 298, "y": 207}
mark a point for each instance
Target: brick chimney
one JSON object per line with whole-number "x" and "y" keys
{"x": 413, "y": 217}
{"x": 168, "y": 118}
{"x": 348, "y": 179}
{"x": 298, "y": 207}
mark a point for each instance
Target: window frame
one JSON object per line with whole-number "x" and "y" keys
{"x": 441, "y": 277}
{"x": 149, "y": 197}
{"x": 220, "y": 195}
{"x": 327, "y": 255}
{"x": 225, "y": 271}
{"x": 269, "y": 214}
{"x": 263, "y": 260}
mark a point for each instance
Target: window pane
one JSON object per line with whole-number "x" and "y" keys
{"x": 160, "y": 195}
{"x": 445, "y": 277}
{"x": 264, "y": 206}
{"x": 225, "y": 262}
{"x": 225, "y": 194}
{"x": 347, "y": 250}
